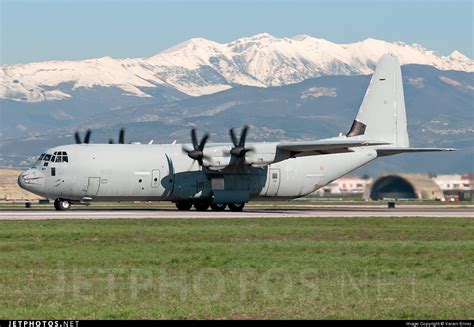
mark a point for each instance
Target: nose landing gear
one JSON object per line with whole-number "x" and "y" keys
{"x": 62, "y": 204}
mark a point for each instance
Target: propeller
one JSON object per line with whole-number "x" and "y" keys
{"x": 239, "y": 149}
{"x": 121, "y": 137}
{"x": 197, "y": 152}
{"x": 87, "y": 137}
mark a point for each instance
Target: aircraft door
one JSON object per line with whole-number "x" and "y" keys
{"x": 273, "y": 181}
{"x": 93, "y": 186}
{"x": 155, "y": 178}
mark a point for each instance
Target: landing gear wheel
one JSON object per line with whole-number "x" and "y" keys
{"x": 62, "y": 204}
{"x": 183, "y": 205}
{"x": 201, "y": 206}
{"x": 236, "y": 206}
{"x": 218, "y": 206}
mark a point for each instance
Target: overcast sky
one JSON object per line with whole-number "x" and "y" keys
{"x": 70, "y": 30}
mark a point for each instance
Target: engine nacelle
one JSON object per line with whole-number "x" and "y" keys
{"x": 217, "y": 157}
{"x": 261, "y": 155}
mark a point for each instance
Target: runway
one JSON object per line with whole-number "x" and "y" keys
{"x": 249, "y": 213}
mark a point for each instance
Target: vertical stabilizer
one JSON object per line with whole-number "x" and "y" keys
{"x": 382, "y": 114}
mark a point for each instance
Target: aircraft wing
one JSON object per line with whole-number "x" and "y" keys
{"x": 391, "y": 151}
{"x": 325, "y": 146}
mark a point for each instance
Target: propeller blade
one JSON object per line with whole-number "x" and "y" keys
{"x": 239, "y": 149}
{"x": 122, "y": 136}
{"x": 77, "y": 137}
{"x": 87, "y": 138}
{"x": 197, "y": 152}
{"x": 243, "y": 136}
{"x": 203, "y": 142}
{"x": 194, "y": 139}
{"x": 233, "y": 137}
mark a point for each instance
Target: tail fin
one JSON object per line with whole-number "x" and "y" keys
{"x": 382, "y": 114}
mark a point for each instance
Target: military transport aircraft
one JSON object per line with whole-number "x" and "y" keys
{"x": 221, "y": 175}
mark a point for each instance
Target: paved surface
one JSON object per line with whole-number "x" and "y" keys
{"x": 247, "y": 213}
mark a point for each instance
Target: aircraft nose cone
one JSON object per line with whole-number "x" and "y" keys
{"x": 31, "y": 180}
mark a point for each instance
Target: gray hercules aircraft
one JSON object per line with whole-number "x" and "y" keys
{"x": 218, "y": 175}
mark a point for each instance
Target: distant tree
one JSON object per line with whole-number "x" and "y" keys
{"x": 365, "y": 176}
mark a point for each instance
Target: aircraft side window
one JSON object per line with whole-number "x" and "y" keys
{"x": 53, "y": 159}
{"x": 65, "y": 159}
{"x": 58, "y": 159}
{"x": 53, "y": 171}
{"x": 41, "y": 157}
{"x": 47, "y": 157}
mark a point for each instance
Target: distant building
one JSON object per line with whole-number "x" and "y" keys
{"x": 404, "y": 186}
{"x": 454, "y": 182}
{"x": 345, "y": 184}
{"x": 460, "y": 186}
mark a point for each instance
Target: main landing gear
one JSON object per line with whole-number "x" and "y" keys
{"x": 184, "y": 205}
{"x": 218, "y": 206}
{"x": 204, "y": 206}
{"x": 62, "y": 204}
{"x": 236, "y": 206}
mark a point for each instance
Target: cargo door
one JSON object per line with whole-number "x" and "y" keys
{"x": 93, "y": 186}
{"x": 274, "y": 181}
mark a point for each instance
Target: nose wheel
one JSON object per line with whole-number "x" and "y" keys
{"x": 62, "y": 204}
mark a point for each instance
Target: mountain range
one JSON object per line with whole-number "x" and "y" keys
{"x": 296, "y": 88}
{"x": 199, "y": 66}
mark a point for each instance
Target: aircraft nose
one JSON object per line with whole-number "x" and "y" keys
{"x": 31, "y": 180}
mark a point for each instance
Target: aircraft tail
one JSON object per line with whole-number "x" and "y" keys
{"x": 382, "y": 115}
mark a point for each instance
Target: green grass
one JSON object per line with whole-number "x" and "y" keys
{"x": 344, "y": 268}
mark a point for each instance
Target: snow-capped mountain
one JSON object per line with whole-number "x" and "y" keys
{"x": 199, "y": 66}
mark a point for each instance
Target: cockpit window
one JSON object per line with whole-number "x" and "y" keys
{"x": 56, "y": 157}
{"x": 60, "y": 156}
{"x": 38, "y": 161}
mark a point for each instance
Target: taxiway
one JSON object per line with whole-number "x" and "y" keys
{"x": 249, "y": 213}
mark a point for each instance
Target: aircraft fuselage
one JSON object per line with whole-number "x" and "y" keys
{"x": 149, "y": 172}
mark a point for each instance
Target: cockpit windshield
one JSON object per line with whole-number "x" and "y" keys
{"x": 45, "y": 158}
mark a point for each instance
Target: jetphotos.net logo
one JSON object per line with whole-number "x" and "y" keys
{"x": 42, "y": 323}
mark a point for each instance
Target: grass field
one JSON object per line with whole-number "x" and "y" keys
{"x": 407, "y": 268}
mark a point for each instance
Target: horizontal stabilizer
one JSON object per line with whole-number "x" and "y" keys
{"x": 392, "y": 151}
{"x": 326, "y": 146}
